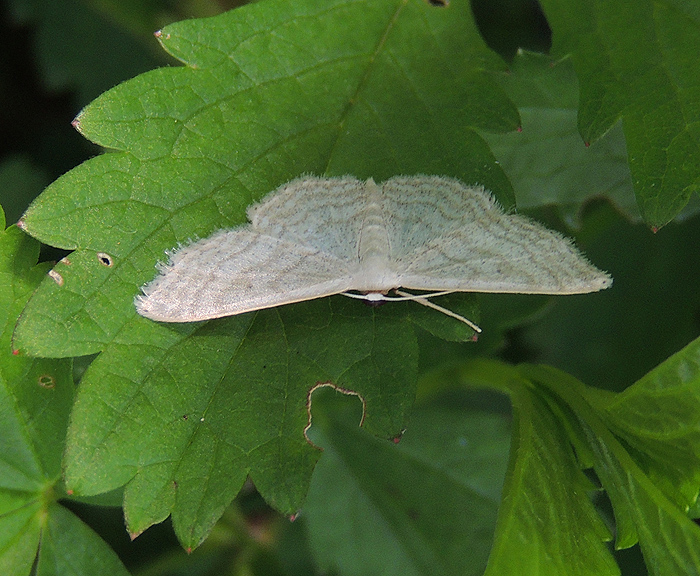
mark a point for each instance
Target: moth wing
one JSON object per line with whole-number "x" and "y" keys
{"x": 502, "y": 253}
{"x": 237, "y": 271}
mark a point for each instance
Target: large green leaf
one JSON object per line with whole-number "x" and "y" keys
{"x": 186, "y": 419}
{"x": 272, "y": 90}
{"x": 644, "y": 512}
{"x": 636, "y": 60}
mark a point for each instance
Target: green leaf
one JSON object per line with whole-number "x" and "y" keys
{"x": 35, "y": 399}
{"x": 547, "y": 161}
{"x": 425, "y": 506}
{"x": 658, "y": 417}
{"x": 636, "y": 60}
{"x": 546, "y": 522}
{"x": 20, "y": 531}
{"x": 669, "y": 540}
{"x": 36, "y": 393}
{"x": 183, "y": 413}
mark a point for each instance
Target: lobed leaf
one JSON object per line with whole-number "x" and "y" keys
{"x": 184, "y": 413}
{"x": 269, "y": 91}
{"x": 546, "y": 521}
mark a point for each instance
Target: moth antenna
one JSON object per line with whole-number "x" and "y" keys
{"x": 429, "y": 304}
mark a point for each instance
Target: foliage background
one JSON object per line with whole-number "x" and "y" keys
{"x": 58, "y": 56}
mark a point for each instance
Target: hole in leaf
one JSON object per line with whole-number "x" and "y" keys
{"x": 105, "y": 259}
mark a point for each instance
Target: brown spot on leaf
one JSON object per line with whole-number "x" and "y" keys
{"x": 56, "y": 277}
{"x": 47, "y": 381}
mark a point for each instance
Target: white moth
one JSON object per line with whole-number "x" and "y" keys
{"x": 314, "y": 237}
